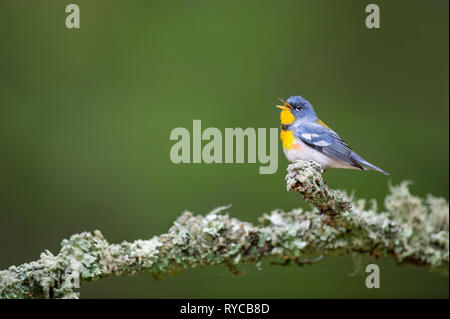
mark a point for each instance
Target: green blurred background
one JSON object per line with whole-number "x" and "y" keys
{"x": 85, "y": 118}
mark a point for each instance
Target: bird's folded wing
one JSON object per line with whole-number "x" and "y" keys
{"x": 325, "y": 141}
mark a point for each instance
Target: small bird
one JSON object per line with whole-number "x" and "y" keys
{"x": 305, "y": 137}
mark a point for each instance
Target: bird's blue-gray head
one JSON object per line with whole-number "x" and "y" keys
{"x": 299, "y": 107}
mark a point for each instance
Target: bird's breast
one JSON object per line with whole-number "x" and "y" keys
{"x": 288, "y": 140}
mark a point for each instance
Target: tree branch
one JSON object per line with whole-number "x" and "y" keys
{"x": 410, "y": 230}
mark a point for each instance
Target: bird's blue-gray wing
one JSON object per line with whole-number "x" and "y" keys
{"x": 327, "y": 142}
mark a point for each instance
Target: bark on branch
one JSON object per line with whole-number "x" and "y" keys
{"x": 409, "y": 230}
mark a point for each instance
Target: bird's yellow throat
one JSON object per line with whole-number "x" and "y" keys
{"x": 286, "y": 136}
{"x": 286, "y": 117}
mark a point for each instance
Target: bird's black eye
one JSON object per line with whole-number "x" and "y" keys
{"x": 297, "y": 107}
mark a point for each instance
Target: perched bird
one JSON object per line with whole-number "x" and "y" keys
{"x": 305, "y": 137}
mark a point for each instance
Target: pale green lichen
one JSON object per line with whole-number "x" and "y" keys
{"x": 306, "y": 178}
{"x": 410, "y": 230}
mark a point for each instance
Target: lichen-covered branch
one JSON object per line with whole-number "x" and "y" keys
{"x": 409, "y": 230}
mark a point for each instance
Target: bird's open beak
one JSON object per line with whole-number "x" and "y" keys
{"x": 285, "y": 106}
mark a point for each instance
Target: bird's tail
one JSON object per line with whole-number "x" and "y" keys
{"x": 366, "y": 165}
